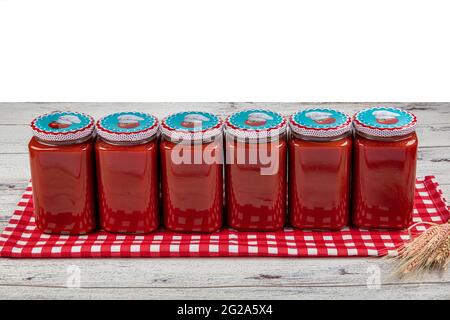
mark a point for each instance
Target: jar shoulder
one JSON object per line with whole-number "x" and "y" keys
{"x": 35, "y": 145}
{"x": 101, "y": 145}
{"x": 168, "y": 145}
{"x": 410, "y": 141}
{"x": 279, "y": 143}
{"x": 345, "y": 142}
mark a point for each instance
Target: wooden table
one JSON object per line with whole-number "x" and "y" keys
{"x": 208, "y": 278}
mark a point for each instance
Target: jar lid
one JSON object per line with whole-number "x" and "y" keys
{"x": 127, "y": 126}
{"x": 191, "y": 126}
{"x": 62, "y": 126}
{"x": 255, "y": 124}
{"x": 385, "y": 122}
{"x": 320, "y": 122}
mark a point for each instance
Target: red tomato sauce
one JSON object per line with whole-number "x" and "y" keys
{"x": 256, "y": 202}
{"x": 127, "y": 178}
{"x": 192, "y": 193}
{"x": 63, "y": 186}
{"x": 319, "y": 183}
{"x": 384, "y": 182}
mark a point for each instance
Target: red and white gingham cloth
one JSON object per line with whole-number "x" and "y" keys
{"x": 21, "y": 239}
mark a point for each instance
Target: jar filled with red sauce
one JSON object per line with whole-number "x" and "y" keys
{"x": 127, "y": 172}
{"x": 384, "y": 169}
{"x": 192, "y": 172}
{"x": 62, "y": 172}
{"x": 320, "y": 156}
{"x": 256, "y": 170}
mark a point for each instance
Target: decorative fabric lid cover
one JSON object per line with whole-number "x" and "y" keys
{"x": 256, "y": 124}
{"x": 385, "y": 122}
{"x": 62, "y": 126}
{"x": 320, "y": 122}
{"x": 191, "y": 125}
{"x": 127, "y": 126}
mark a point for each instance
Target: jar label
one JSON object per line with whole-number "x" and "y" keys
{"x": 320, "y": 118}
{"x": 191, "y": 121}
{"x": 256, "y": 119}
{"x": 385, "y": 117}
{"x": 60, "y": 122}
{"x": 127, "y": 122}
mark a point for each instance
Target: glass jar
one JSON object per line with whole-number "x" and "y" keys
{"x": 320, "y": 154}
{"x": 62, "y": 172}
{"x": 127, "y": 172}
{"x": 255, "y": 171}
{"x": 384, "y": 171}
{"x": 192, "y": 171}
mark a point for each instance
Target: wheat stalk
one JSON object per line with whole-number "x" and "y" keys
{"x": 443, "y": 255}
{"x": 430, "y": 250}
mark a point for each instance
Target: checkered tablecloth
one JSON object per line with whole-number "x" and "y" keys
{"x": 21, "y": 239}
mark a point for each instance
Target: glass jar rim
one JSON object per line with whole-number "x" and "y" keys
{"x": 192, "y": 141}
{"x": 321, "y": 139}
{"x": 390, "y": 138}
{"x": 263, "y": 139}
{"x": 127, "y": 143}
{"x": 64, "y": 142}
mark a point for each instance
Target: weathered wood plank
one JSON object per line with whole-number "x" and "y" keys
{"x": 419, "y": 291}
{"x": 213, "y": 278}
{"x": 25, "y": 112}
{"x": 428, "y": 113}
{"x": 10, "y": 194}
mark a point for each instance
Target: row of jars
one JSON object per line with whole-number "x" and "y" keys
{"x": 120, "y": 172}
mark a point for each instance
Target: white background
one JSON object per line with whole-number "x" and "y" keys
{"x": 233, "y": 50}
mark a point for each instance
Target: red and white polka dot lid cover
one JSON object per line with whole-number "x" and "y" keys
{"x": 62, "y": 126}
{"x": 128, "y": 126}
{"x": 385, "y": 122}
{"x": 255, "y": 124}
{"x": 320, "y": 123}
{"x": 192, "y": 126}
